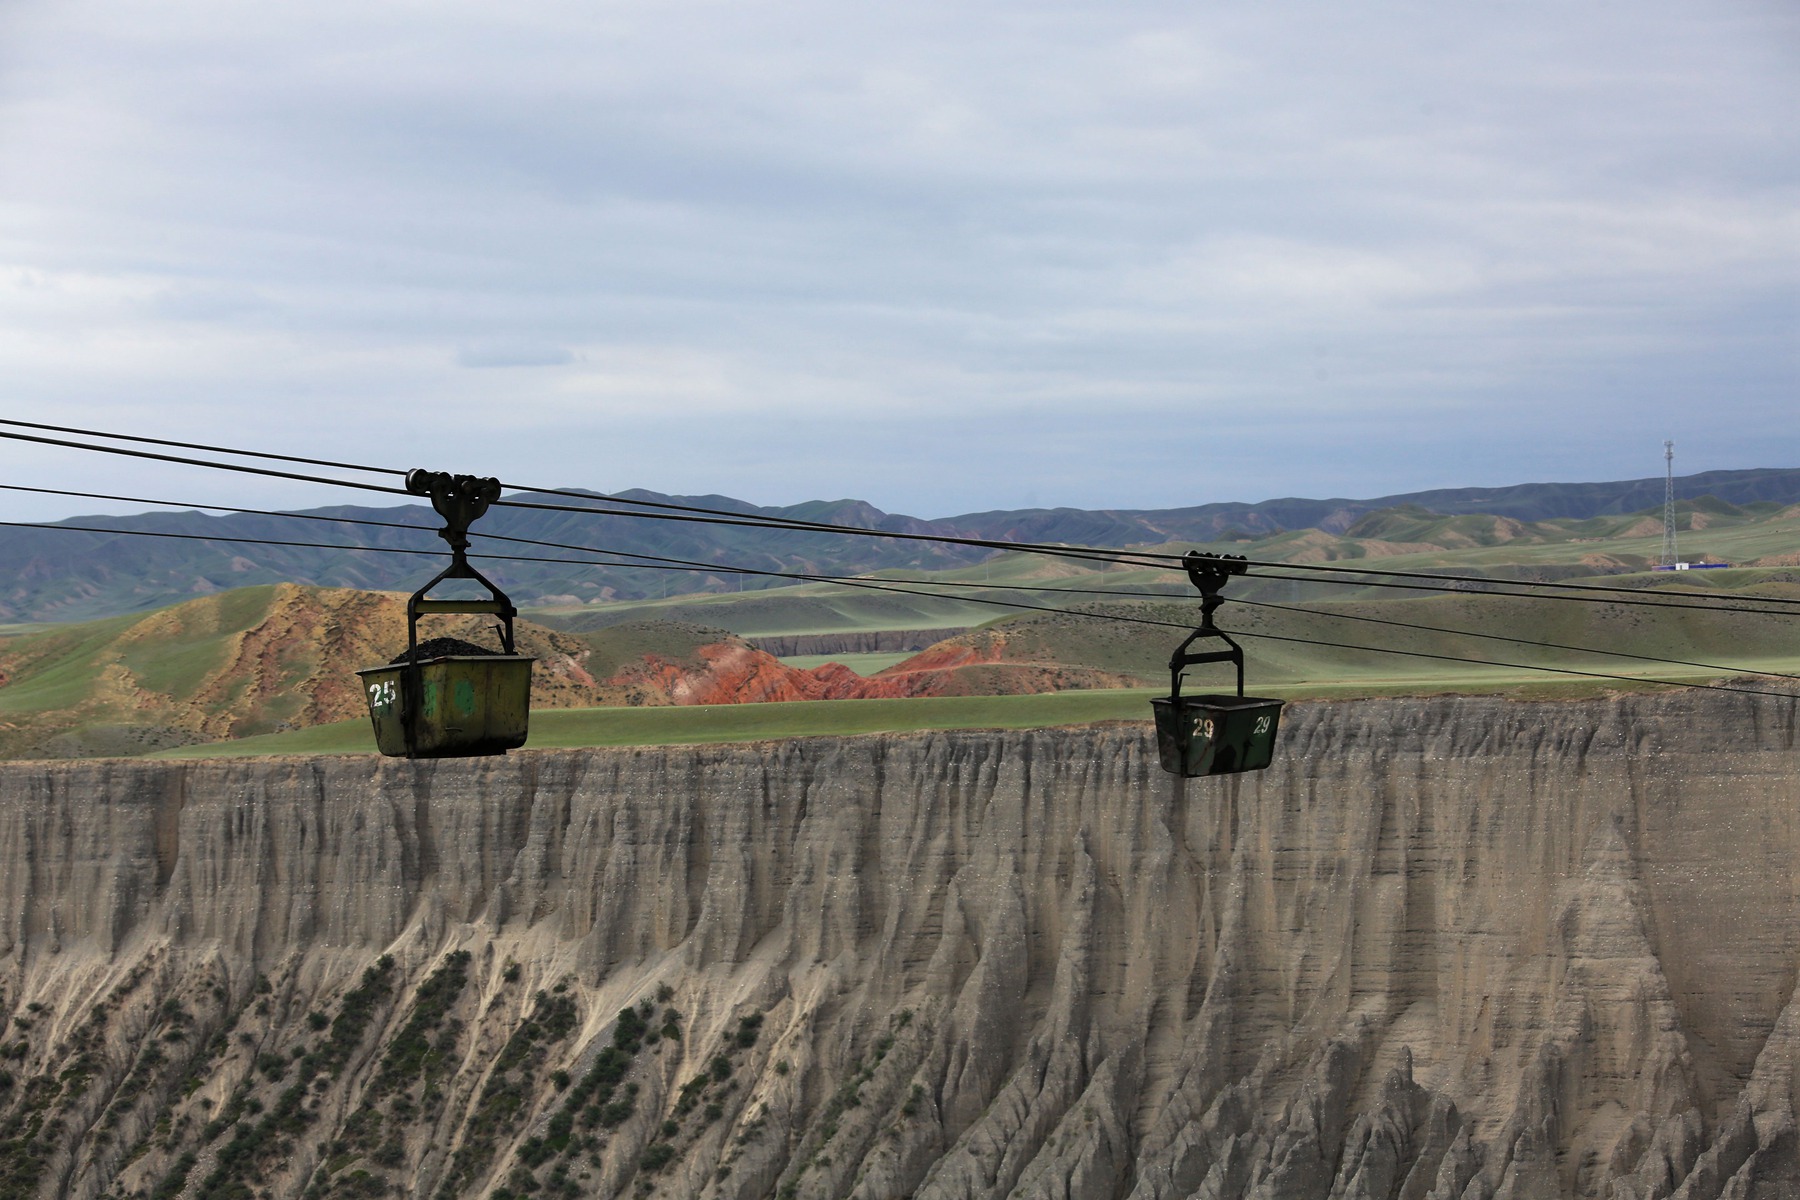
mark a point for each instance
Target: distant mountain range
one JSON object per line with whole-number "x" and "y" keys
{"x": 67, "y": 574}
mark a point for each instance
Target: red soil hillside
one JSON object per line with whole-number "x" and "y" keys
{"x": 989, "y": 662}
{"x": 730, "y": 671}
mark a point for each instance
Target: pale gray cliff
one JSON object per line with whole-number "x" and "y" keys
{"x": 1462, "y": 949}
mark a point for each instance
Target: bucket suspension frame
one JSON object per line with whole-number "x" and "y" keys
{"x": 461, "y": 500}
{"x": 1209, "y": 573}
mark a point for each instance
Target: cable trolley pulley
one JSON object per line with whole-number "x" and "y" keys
{"x": 1213, "y": 734}
{"x": 452, "y": 705}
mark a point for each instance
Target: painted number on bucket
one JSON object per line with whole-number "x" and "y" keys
{"x": 381, "y": 694}
{"x": 1203, "y": 727}
{"x": 1262, "y": 724}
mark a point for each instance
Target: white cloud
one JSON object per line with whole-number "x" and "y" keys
{"x": 513, "y": 352}
{"x": 704, "y": 225}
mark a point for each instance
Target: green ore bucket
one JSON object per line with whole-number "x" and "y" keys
{"x": 450, "y": 707}
{"x": 1215, "y": 735}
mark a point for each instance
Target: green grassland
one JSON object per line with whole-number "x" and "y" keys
{"x": 1313, "y": 642}
{"x": 60, "y": 667}
{"x": 573, "y": 727}
{"x": 614, "y": 647}
{"x": 862, "y": 664}
{"x": 171, "y": 652}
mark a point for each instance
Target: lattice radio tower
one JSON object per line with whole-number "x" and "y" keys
{"x": 1668, "y": 554}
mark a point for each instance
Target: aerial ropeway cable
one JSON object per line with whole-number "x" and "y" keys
{"x": 1629, "y": 597}
{"x": 1320, "y": 573}
{"x": 672, "y": 511}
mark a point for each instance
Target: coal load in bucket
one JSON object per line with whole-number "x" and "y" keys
{"x": 441, "y": 647}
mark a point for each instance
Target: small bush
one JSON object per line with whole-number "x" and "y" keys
{"x": 629, "y": 1031}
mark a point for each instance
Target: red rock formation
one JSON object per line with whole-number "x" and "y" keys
{"x": 736, "y": 673}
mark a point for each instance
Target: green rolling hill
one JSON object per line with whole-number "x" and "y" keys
{"x": 99, "y": 566}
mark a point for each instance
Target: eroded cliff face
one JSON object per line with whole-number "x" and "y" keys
{"x": 1450, "y": 949}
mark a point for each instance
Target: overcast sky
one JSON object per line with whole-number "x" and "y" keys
{"x": 941, "y": 257}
